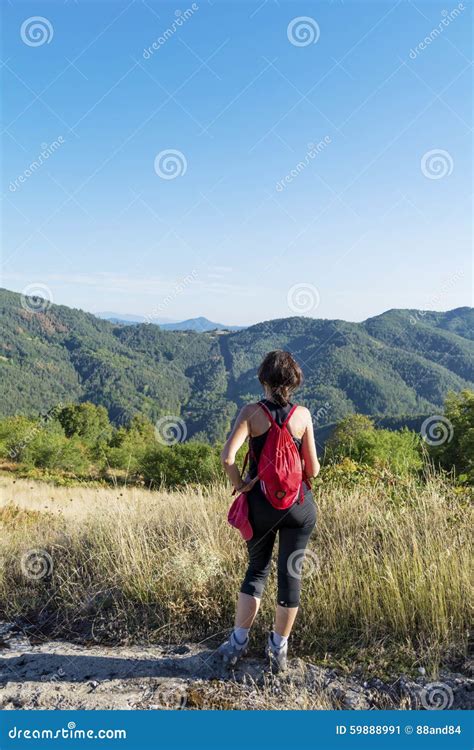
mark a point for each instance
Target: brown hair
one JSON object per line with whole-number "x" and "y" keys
{"x": 281, "y": 373}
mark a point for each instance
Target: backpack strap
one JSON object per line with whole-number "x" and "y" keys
{"x": 244, "y": 465}
{"x": 270, "y": 416}
{"x": 268, "y": 413}
{"x": 292, "y": 411}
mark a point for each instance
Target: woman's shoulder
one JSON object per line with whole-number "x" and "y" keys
{"x": 249, "y": 410}
{"x": 302, "y": 409}
{"x": 302, "y": 413}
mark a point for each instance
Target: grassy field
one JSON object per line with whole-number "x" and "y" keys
{"x": 386, "y": 579}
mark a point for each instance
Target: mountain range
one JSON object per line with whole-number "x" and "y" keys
{"x": 398, "y": 364}
{"x": 191, "y": 324}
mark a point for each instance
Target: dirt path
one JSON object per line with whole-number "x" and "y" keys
{"x": 62, "y": 675}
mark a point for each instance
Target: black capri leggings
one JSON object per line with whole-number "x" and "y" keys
{"x": 294, "y": 527}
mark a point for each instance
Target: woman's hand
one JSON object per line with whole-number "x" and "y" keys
{"x": 247, "y": 484}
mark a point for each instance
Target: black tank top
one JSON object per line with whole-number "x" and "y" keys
{"x": 279, "y": 414}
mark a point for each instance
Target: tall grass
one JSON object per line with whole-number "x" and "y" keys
{"x": 388, "y": 568}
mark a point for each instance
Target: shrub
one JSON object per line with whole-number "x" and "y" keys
{"x": 458, "y": 450}
{"x": 51, "y": 449}
{"x": 356, "y": 438}
{"x": 184, "y": 463}
{"x": 129, "y": 444}
{"x": 15, "y": 434}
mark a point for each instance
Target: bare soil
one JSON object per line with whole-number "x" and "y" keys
{"x": 63, "y": 675}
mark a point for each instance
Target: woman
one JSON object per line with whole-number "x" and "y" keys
{"x": 280, "y": 376}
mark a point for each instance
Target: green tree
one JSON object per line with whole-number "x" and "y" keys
{"x": 344, "y": 440}
{"x": 129, "y": 444}
{"x": 457, "y": 450}
{"x": 88, "y": 422}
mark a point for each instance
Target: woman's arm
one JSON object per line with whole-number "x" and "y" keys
{"x": 308, "y": 449}
{"x": 236, "y": 439}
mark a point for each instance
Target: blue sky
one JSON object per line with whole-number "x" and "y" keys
{"x": 375, "y": 216}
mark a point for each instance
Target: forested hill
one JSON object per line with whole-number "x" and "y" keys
{"x": 402, "y": 362}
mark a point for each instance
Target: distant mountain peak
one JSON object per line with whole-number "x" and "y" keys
{"x": 200, "y": 324}
{"x": 128, "y": 319}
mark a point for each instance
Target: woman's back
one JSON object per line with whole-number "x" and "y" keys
{"x": 299, "y": 425}
{"x": 259, "y": 422}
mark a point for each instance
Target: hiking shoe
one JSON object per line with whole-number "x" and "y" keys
{"x": 277, "y": 655}
{"x": 231, "y": 650}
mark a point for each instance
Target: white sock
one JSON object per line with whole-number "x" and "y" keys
{"x": 240, "y": 636}
{"x": 279, "y": 640}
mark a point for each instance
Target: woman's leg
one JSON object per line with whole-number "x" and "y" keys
{"x": 284, "y": 620}
{"x": 247, "y": 608}
{"x": 260, "y": 549}
{"x": 294, "y": 538}
{"x": 292, "y": 546}
{"x": 260, "y": 553}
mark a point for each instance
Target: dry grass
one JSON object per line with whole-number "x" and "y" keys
{"x": 388, "y": 570}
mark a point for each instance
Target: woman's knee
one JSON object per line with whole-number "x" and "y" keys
{"x": 255, "y": 580}
{"x": 289, "y": 589}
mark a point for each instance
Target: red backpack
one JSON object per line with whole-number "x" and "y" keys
{"x": 280, "y": 469}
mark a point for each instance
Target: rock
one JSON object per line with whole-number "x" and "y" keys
{"x": 449, "y": 692}
{"x": 349, "y": 697}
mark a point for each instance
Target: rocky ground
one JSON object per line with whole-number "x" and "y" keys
{"x": 62, "y": 675}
